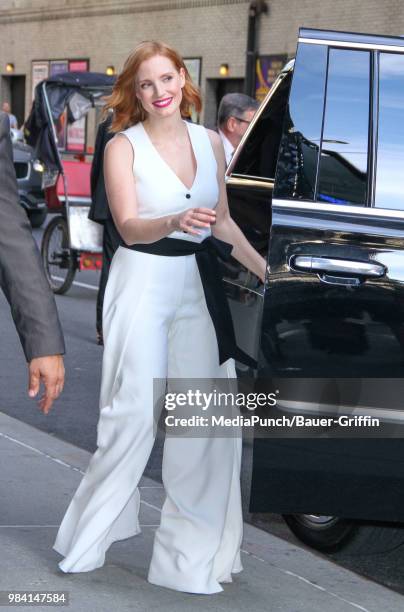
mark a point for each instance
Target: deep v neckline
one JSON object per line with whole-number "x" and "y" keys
{"x": 168, "y": 165}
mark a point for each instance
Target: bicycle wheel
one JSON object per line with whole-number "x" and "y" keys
{"x": 59, "y": 260}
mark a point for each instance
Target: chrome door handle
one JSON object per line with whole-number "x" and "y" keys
{"x": 309, "y": 263}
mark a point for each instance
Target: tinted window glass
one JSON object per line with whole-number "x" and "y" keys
{"x": 297, "y": 164}
{"x": 260, "y": 152}
{"x": 343, "y": 162}
{"x": 390, "y": 153}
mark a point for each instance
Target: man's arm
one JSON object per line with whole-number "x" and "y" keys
{"x": 25, "y": 286}
{"x": 21, "y": 274}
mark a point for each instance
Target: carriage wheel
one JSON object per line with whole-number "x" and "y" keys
{"x": 58, "y": 259}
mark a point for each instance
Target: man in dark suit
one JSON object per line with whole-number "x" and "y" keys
{"x": 100, "y": 213}
{"x": 25, "y": 286}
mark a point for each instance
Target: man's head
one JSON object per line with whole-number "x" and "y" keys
{"x": 6, "y": 107}
{"x": 235, "y": 113}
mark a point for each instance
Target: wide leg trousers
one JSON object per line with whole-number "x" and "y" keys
{"x": 156, "y": 324}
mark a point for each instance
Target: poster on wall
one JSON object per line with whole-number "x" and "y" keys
{"x": 78, "y": 66}
{"x": 267, "y": 69}
{"x": 39, "y": 72}
{"x": 57, "y": 67}
{"x": 76, "y": 132}
{"x": 193, "y": 65}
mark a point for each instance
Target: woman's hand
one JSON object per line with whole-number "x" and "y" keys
{"x": 194, "y": 217}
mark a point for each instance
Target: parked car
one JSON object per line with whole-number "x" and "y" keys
{"x": 29, "y": 171}
{"x": 317, "y": 185}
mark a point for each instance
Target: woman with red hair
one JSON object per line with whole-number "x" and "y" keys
{"x": 165, "y": 316}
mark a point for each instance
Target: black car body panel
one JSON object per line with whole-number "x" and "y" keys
{"x": 29, "y": 180}
{"x": 333, "y": 305}
{"x": 334, "y": 329}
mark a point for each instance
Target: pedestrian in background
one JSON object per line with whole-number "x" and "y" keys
{"x": 100, "y": 213}
{"x": 235, "y": 113}
{"x": 12, "y": 118}
{"x": 24, "y": 284}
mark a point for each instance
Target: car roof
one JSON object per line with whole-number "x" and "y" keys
{"x": 355, "y": 38}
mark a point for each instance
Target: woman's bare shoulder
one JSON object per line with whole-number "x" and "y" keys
{"x": 119, "y": 146}
{"x": 214, "y": 137}
{"x": 217, "y": 145}
{"x": 118, "y": 142}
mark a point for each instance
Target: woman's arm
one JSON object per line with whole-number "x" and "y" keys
{"x": 121, "y": 192}
{"x": 225, "y": 228}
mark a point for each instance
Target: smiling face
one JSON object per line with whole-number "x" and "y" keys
{"x": 158, "y": 86}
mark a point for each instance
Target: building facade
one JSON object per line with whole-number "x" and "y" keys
{"x": 49, "y": 35}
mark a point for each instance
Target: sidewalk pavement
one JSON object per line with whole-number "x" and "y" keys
{"x": 38, "y": 477}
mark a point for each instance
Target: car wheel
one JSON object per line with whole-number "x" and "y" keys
{"x": 60, "y": 262}
{"x": 325, "y": 533}
{"x": 332, "y": 534}
{"x": 37, "y": 217}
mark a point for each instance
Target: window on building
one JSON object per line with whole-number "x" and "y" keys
{"x": 390, "y": 151}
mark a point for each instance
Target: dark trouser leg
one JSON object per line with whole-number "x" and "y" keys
{"x": 110, "y": 243}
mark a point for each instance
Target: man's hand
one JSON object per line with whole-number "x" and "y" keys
{"x": 50, "y": 370}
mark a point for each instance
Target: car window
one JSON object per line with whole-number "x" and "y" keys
{"x": 260, "y": 152}
{"x": 324, "y": 148}
{"x": 343, "y": 169}
{"x": 297, "y": 165}
{"x": 389, "y": 191}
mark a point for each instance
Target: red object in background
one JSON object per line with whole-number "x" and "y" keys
{"x": 52, "y": 201}
{"x": 78, "y": 66}
{"x": 80, "y": 157}
{"x": 78, "y": 185}
{"x": 76, "y": 132}
{"x": 90, "y": 261}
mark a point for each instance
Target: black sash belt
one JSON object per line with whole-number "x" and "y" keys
{"x": 206, "y": 254}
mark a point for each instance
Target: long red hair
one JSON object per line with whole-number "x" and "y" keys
{"x": 128, "y": 109}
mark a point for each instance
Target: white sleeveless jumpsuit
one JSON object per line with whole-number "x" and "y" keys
{"x": 156, "y": 324}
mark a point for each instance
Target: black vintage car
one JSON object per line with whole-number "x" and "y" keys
{"x": 29, "y": 171}
{"x": 317, "y": 185}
